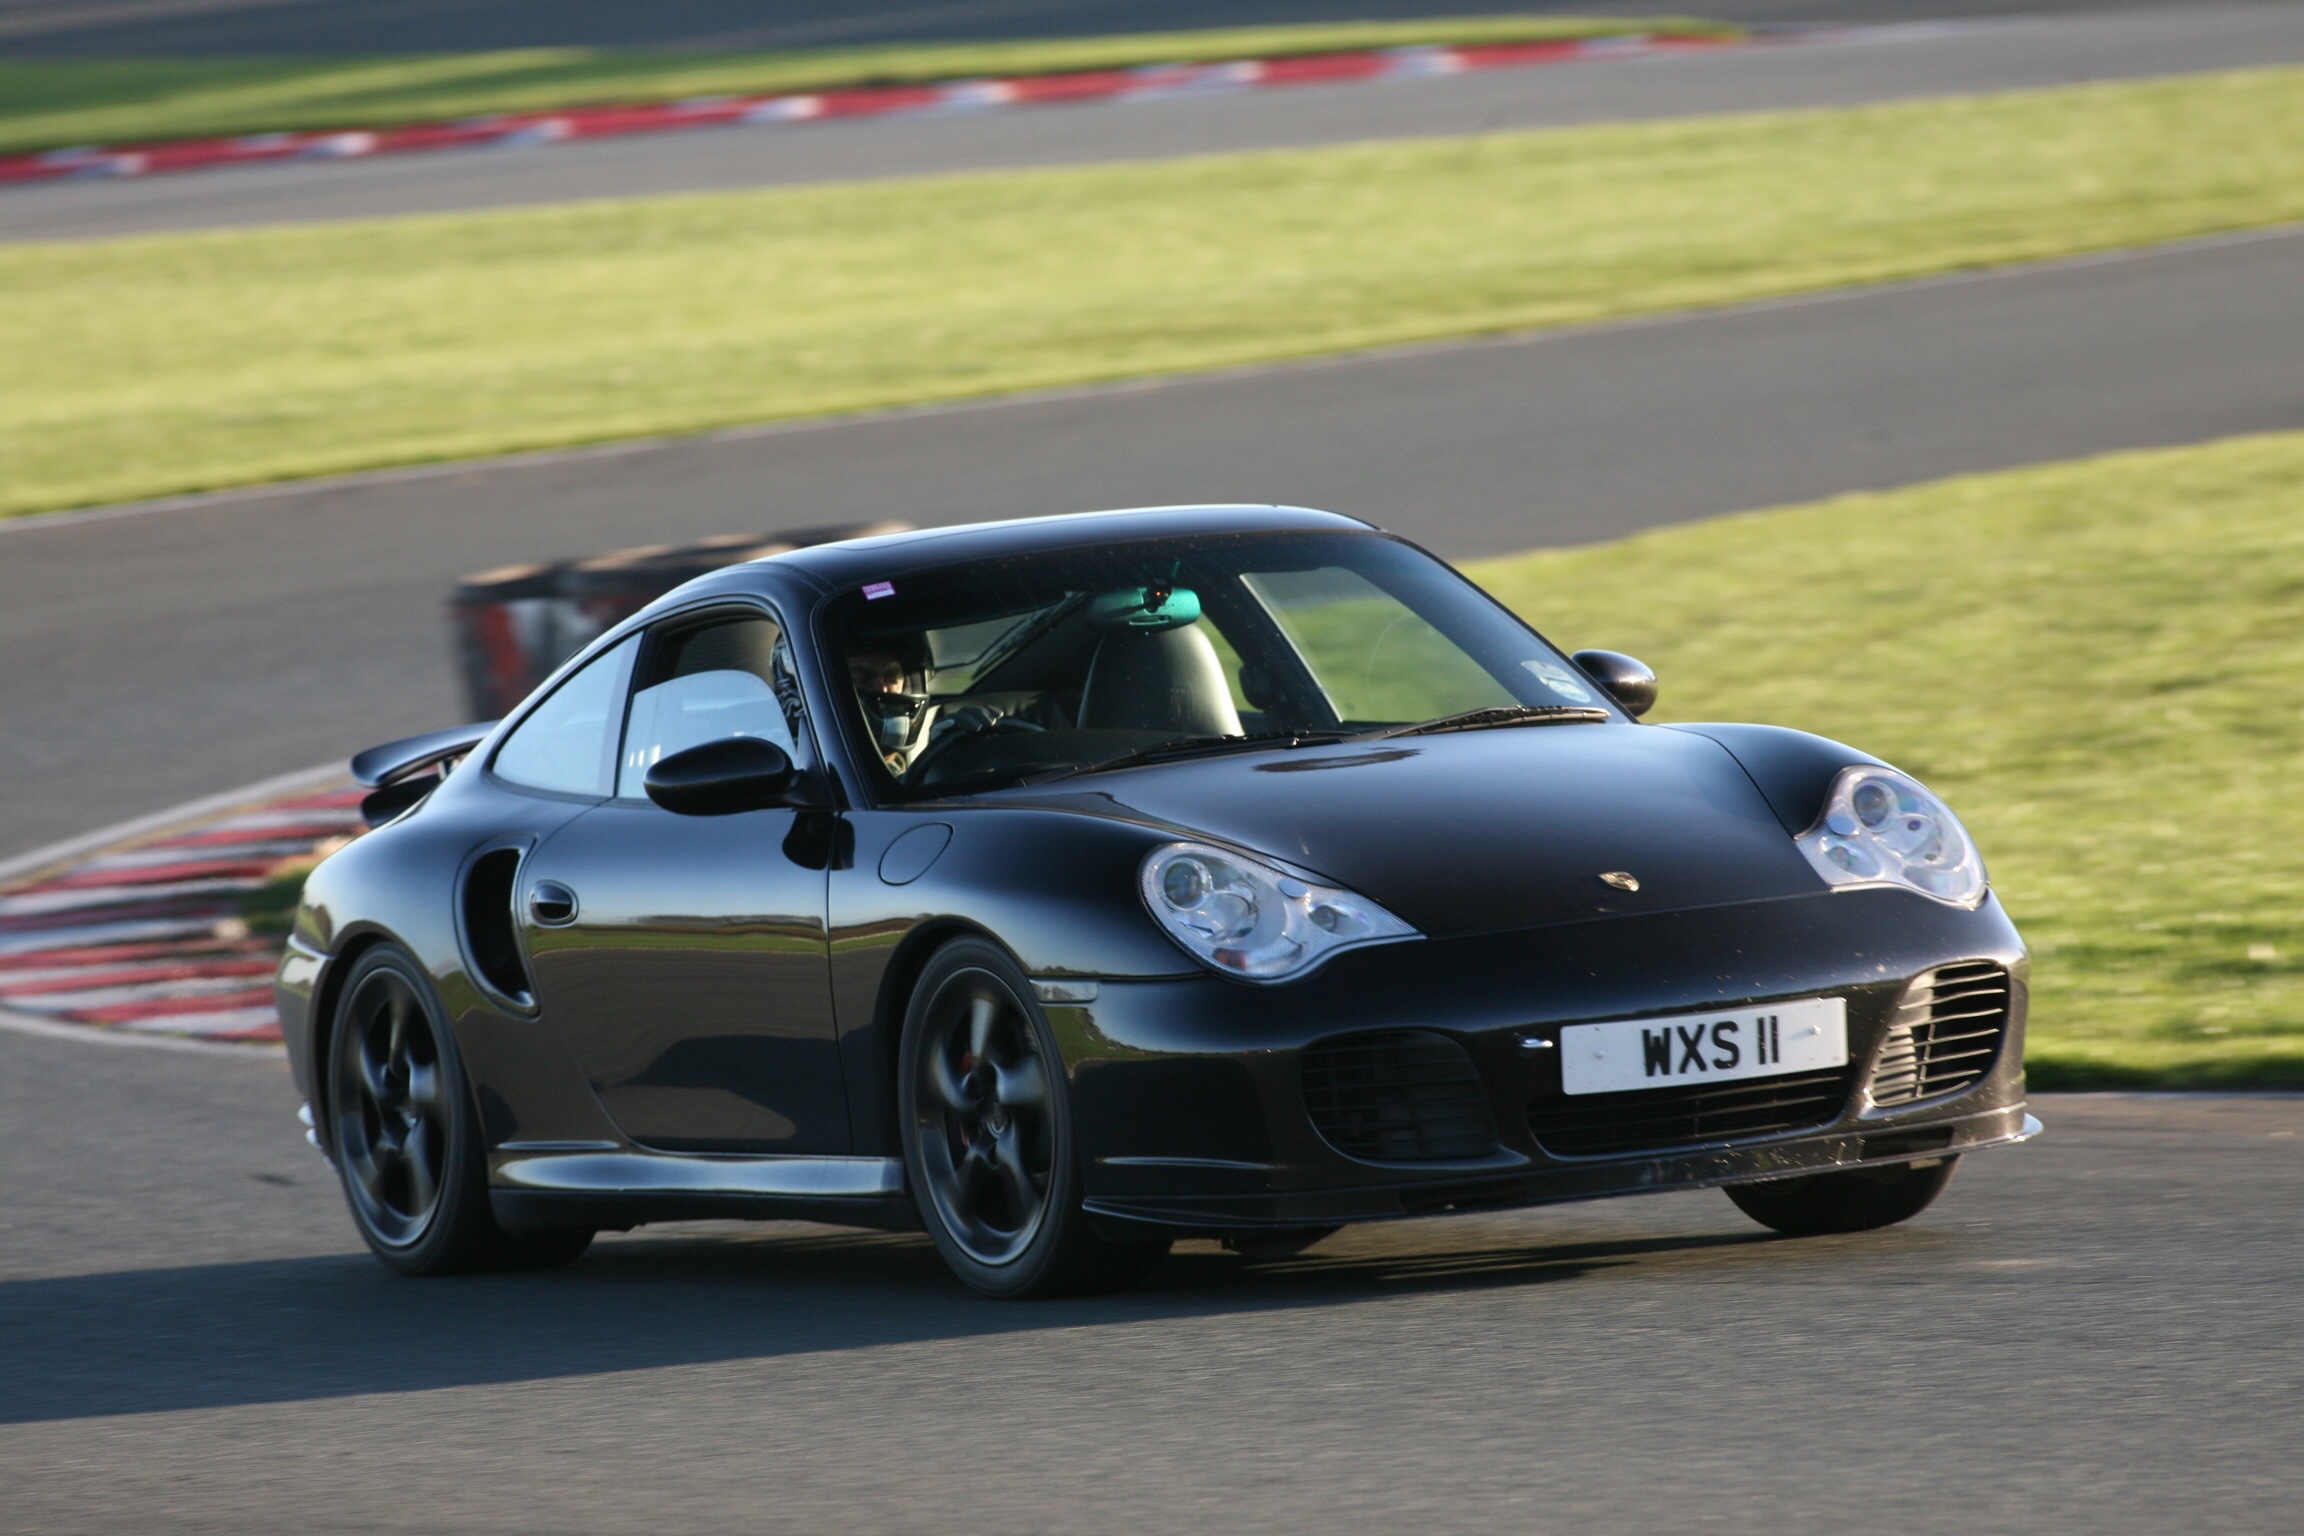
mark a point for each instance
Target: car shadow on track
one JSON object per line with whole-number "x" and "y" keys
{"x": 287, "y": 1330}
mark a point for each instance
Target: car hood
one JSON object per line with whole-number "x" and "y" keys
{"x": 1483, "y": 831}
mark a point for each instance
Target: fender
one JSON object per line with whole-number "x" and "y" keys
{"x": 1057, "y": 890}
{"x": 1792, "y": 769}
{"x": 401, "y": 883}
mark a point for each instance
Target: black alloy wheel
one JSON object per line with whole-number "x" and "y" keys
{"x": 403, "y": 1136}
{"x": 391, "y": 1126}
{"x": 1848, "y": 1200}
{"x": 988, "y": 1142}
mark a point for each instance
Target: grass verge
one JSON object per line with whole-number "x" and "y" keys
{"x": 182, "y": 362}
{"x": 48, "y": 103}
{"x": 2100, "y": 664}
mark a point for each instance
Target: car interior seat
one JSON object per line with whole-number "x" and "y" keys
{"x": 1165, "y": 680}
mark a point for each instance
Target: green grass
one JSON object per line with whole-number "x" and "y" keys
{"x": 1378, "y": 662}
{"x": 173, "y": 363}
{"x": 2099, "y": 664}
{"x": 271, "y": 908}
{"x": 53, "y": 102}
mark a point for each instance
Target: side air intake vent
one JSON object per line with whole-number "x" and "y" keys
{"x": 1945, "y": 1035}
{"x": 488, "y": 922}
{"x": 1406, "y": 1096}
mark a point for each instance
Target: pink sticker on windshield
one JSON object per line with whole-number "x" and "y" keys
{"x": 879, "y": 589}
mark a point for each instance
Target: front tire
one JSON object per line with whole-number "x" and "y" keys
{"x": 1851, "y": 1200}
{"x": 404, "y": 1137}
{"x": 989, "y": 1146}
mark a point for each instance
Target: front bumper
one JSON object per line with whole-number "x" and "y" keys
{"x": 1192, "y": 1114}
{"x": 1474, "y": 1188}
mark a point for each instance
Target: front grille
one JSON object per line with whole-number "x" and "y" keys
{"x": 1656, "y": 1119}
{"x": 1406, "y": 1096}
{"x": 1945, "y": 1035}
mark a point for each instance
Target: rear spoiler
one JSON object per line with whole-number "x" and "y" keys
{"x": 397, "y": 769}
{"x": 396, "y": 760}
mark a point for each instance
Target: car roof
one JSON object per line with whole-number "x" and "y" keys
{"x": 893, "y": 554}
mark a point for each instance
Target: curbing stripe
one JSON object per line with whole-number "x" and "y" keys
{"x": 1158, "y": 82}
{"x": 103, "y": 938}
{"x": 72, "y": 848}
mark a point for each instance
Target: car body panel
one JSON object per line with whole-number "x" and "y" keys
{"x": 1793, "y": 770}
{"x": 891, "y": 556}
{"x": 1035, "y": 880}
{"x": 691, "y": 986}
{"x": 1484, "y": 831}
{"x": 400, "y": 883}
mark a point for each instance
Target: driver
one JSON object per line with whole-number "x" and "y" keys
{"x": 891, "y": 675}
{"x": 881, "y": 673}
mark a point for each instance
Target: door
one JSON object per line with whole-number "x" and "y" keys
{"x": 681, "y": 960}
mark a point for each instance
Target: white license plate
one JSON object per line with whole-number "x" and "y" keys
{"x": 1622, "y": 1054}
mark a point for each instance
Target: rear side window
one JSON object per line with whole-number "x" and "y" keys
{"x": 568, "y": 743}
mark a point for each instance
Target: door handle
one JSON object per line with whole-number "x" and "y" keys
{"x": 552, "y": 903}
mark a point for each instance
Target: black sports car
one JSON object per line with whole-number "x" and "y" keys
{"x": 1069, "y": 885}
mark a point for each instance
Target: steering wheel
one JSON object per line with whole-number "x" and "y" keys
{"x": 942, "y": 746}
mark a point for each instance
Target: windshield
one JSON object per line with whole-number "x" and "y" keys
{"x": 981, "y": 675}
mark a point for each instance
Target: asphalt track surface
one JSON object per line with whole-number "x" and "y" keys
{"x": 1991, "y": 55}
{"x": 97, "y": 28}
{"x": 2099, "y": 1331}
{"x": 185, "y": 651}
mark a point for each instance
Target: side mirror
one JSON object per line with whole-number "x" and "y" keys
{"x": 720, "y": 778}
{"x": 1628, "y": 682}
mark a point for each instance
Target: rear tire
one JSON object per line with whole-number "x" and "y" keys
{"x": 404, "y": 1137}
{"x": 1850, "y": 1200}
{"x": 989, "y": 1146}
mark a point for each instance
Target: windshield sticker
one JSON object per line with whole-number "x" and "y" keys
{"x": 1560, "y": 680}
{"x": 874, "y": 591}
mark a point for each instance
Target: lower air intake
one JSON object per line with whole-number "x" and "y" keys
{"x": 1659, "y": 1119}
{"x": 1945, "y": 1035}
{"x": 1406, "y": 1096}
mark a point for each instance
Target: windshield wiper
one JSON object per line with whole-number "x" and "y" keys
{"x": 1194, "y": 746}
{"x": 1498, "y": 715}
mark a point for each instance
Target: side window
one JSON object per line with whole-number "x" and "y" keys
{"x": 568, "y": 742}
{"x": 730, "y": 677}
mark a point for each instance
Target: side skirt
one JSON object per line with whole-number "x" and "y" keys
{"x": 616, "y": 1190}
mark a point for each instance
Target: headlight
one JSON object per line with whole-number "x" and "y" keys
{"x": 1881, "y": 828}
{"x": 1250, "y": 919}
